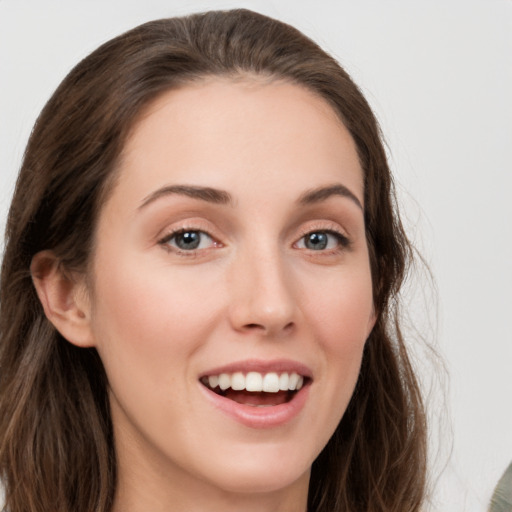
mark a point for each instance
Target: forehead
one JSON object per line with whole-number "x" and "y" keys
{"x": 223, "y": 129}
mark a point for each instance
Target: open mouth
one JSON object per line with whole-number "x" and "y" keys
{"x": 256, "y": 389}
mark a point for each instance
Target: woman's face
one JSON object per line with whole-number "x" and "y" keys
{"x": 232, "y": 254}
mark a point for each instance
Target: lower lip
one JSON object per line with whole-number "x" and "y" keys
{"x": 259, "y": 417}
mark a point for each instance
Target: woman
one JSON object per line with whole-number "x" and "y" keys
{"x": 199, "y": 288}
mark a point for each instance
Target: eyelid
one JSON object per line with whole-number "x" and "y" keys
{"x": 187, "y": 223}
{"x": 187, "y": 226}
{"x": 326, "y": 227}
{"x": 180, "y": 231}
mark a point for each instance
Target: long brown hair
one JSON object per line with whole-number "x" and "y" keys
{"x": 56, "y": 443}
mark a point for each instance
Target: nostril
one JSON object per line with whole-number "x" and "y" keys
{"x": 270, "y": 329}
{"x": 255, "y": 326}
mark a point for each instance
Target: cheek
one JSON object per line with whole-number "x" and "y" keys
{"x": 342, "y": 316}
{"x": 147, "y": 320}
{"x": 342, "y": 311}
{"x": 147, "y": 326}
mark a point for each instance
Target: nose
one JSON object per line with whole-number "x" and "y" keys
{"x": 262, "y": 295}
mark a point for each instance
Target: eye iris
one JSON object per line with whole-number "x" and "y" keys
{"x": 188, "y": 240}
{"x": 316, "y": 241}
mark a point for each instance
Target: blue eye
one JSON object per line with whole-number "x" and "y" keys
{"x": 322, "y": 240}
{"x": 189, "y": 240}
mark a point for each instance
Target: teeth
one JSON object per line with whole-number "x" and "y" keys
{"x": 224, "y": 381}
{"x": 254, "y": 382}
{"x": 271, "y": 382}
{"x": 283, "y": 381}
{"x": 292, "y": 383}
{"x": 238, "y": 381}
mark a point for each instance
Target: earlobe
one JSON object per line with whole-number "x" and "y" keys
{"x": 64, "y": 298}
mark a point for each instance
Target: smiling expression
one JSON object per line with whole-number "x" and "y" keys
{"x": 232, "y": 291}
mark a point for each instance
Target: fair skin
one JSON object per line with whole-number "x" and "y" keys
{"x": 233, "y": 243}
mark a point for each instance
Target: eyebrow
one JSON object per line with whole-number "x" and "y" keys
{"x": 216, "y": 196}
{"x": 208, "y": 194}
{"x": 320, "y": 194}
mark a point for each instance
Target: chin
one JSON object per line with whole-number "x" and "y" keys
{"x": 256, "y": 479}
{"x": 258, "y": 468}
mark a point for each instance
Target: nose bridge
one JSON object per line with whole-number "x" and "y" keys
{"x": 262, "y": 293}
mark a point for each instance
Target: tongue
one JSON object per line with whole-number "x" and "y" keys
{"x": 249, "y": 398}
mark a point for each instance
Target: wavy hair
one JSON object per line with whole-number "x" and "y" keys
{"x": 56, "y": 440}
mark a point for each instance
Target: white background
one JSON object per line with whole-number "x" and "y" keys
{"x": 439, "y": 76}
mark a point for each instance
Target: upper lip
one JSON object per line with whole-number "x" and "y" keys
{"x": 261, "y": 366}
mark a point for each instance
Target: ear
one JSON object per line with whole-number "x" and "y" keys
{"x": 64, "y": 297}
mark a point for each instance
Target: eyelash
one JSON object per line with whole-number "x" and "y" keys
{"x": 342, "y": 240}
{"x": 164, "y": 242}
